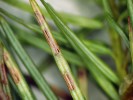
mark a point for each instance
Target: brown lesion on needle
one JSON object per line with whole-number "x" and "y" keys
{"x": 15, "y": 74}
{"x": 13, "y": 71}
{"x": 69, "y": 81}
{"x": 51, "y": 42}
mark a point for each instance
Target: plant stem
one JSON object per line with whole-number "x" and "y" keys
{"x": 61, "y": 62}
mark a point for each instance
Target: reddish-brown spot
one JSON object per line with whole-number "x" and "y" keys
{"x": 15, "y": 74}
{"x": 51, "y": 42}
{"x": 46, "y": 34}
{"x": 57, "y": 50}
{"x": 69, "y": 81}
{"x": 3, "y": 74}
